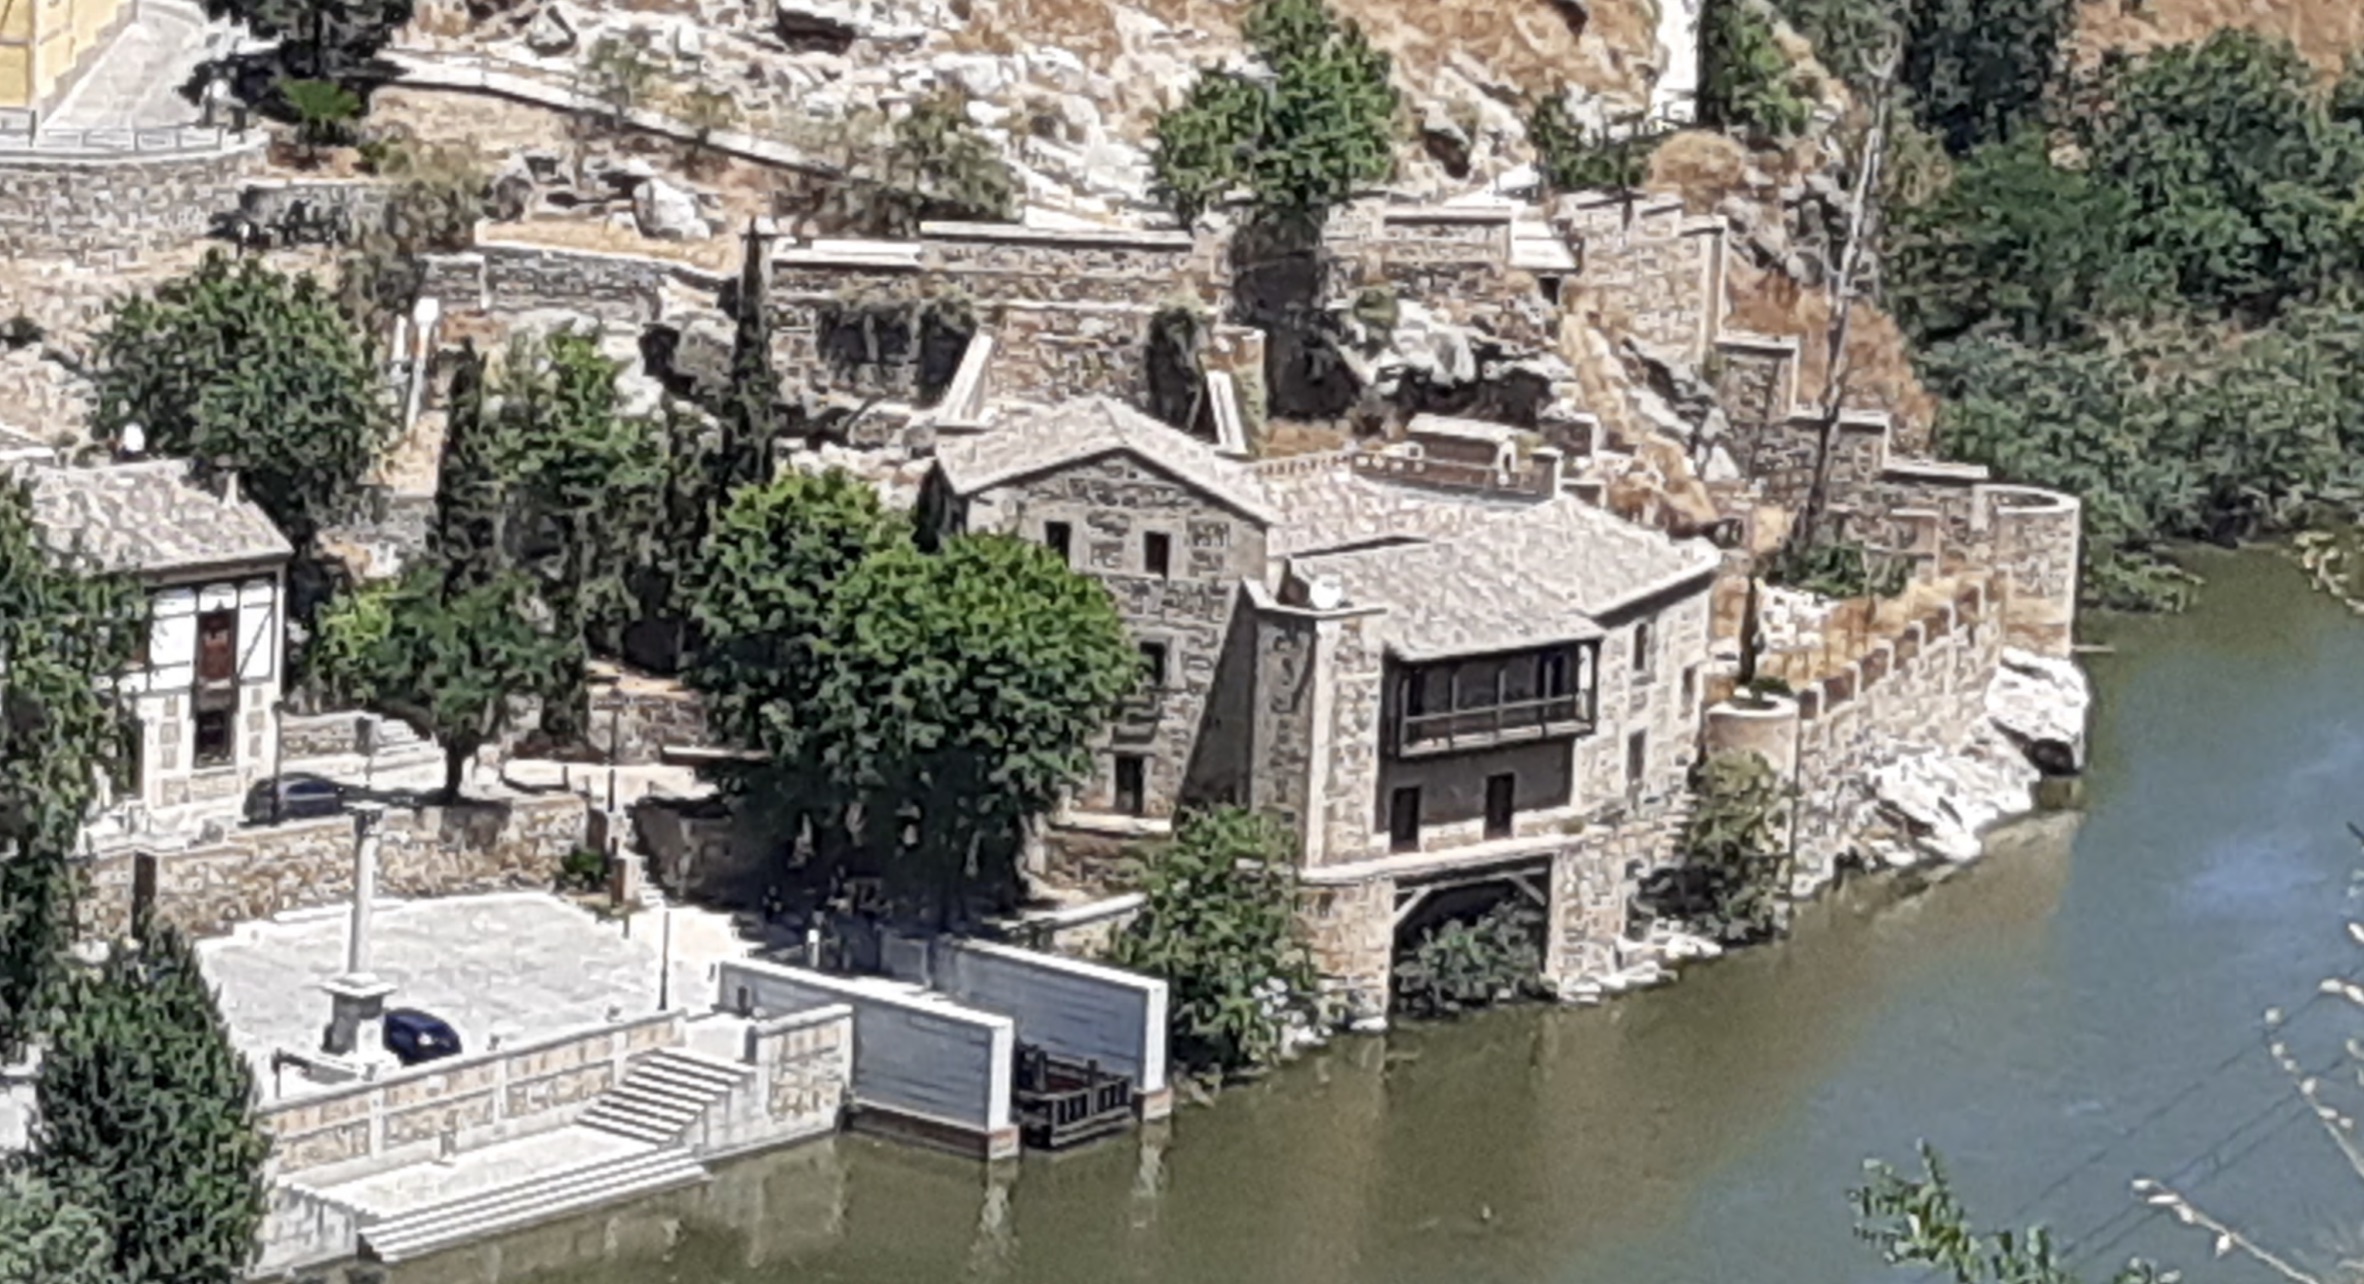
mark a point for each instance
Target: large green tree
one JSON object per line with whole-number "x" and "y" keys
{"x": 146, "y": 1119}
{"x": 583, "y": 480}
{"x": 1746, "y": 81}
{"x": 773, "y": 567}
{"x": 1219, "y": 925}
{"x": 47, "y": 1238}
{"x": 238, "y": 364}
{"x": 66, "y": 629}
{"x": 1305, "y": 138}
{"x": 1979, "y": 71}
{"x": 961, "y": 690}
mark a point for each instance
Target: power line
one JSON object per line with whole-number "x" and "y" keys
{"x": 2218, "y": 1071}
{"x": 2142, "y": 1214}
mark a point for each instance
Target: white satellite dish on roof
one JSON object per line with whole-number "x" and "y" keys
{"x": 135, "y": 441}
{"x": 1324, "y": 594}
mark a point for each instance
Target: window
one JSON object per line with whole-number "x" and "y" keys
{"x": 217, "y": 646}
{"x": 1690, "y": 686}
{"x": 1644, "y": 649}
{"x": 1056, "y": 536}
{"x": 141, "y": 642}
{"x": 1157, "y": 553}
{"x": 1637, "y": 758}
{"x": 1153, "y": 661}
{"x": 1550, "y": 285}
{"x": 1131, "y": 788}
{"x": 1501, "y": 793}
{"x": 214, "y": 742}
{"x": 1403, "y": 820}
{"x": 1554, "y": 673}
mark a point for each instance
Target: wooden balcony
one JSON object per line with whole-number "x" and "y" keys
{"x": 1560, "y": 717}
{"x": 1064, "y": 1103}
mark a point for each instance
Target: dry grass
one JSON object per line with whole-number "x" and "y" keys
{"x": 714, "y": 254}
{"x": 1879, "y": 358}
{"x": 2325, "y": 31}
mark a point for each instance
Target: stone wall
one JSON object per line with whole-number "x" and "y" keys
{"x": 129, "y": 202}
{"x": 321, "y": 735}
{"x": 507, "y": 279}
{"x": 1925, "y": 685}
{"x": 315, "y": 210}
{"x": 1350, "y": 928}
{"x": 261, "y": 871}
{"x": 804, "y": 1067}
{"x": 476, "y": 1100}
{"x": 1648, "y": 268}
{"x": 1592, "y": 886}
{"x": 635, "y": 719}
{"x": 1434, "y": 254}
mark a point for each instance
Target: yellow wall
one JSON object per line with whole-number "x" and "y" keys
{"x": 43, "y": 42}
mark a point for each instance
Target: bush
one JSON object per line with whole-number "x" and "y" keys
{"x": 1746, "y": 82}
{"x": 1576, "y": 159}
{"x": 1731, "y": 883}
{"x": 583, "y": 870}
{"x": 1838, "y": 569}
{"x": 1220, "y": 927}
{"x": 1456, "y": 966}
{"x": 1321, "y": 128}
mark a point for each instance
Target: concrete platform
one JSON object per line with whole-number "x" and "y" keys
{"x": 474, "y": 1172}
{"x": 134, "y": 80}
{"x": 515, "y": 966}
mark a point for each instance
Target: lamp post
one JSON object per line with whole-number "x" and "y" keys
{"x": 665, "y": 964}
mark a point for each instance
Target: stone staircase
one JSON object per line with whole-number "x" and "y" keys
{"x": 666, "y": 1092}
{"x": 542, "y": 1198}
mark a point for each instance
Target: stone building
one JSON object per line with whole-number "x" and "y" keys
{"x": 1439, "y": 671}
{"x": 207, "y": 685}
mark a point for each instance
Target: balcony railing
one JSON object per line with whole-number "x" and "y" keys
{"x": 1546, "y": 718}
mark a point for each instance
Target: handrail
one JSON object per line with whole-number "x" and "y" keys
{"x": 1419, "y": 728}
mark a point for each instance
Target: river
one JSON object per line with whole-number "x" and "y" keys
{"x": 2080, "y": 1008}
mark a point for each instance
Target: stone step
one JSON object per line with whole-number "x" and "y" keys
{"x": 429, "y": 1230}
{"x": 665, "y": 1093}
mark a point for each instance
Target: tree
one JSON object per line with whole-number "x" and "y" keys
{"x": 1917, "y": 1222}
{"x": 66, "y": 630}
{"x": 146, "y": 1116}
{"x": 961, "y": 691}
{"x": 449, "y": 659}
{"x": 583, "y": 479}
{"x": 324, "y": 110}
{"x": 1576, "y": 158}
{"x": 47, "y": 1238}
{"x": 1732, "y": 881}
{"x": 761, "y": 599}
{"x": 320, "y": 39}
{"x": 1219, "y": 925}
{"x": 1978, "y": 70}
{"x": 238, "y": 365}
{"x": 2240, "y": 191}
{"x": 1746, "y": 82}
{"x": 1303, "y": 139}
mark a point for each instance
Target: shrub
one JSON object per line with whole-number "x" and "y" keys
{"x": 1746, "y": 82}
{"x": 1838, "y": 568}
{"x": 583, "y": 870}
{"x": 1574, "y": 158}
{"x": 1220, "y": 926}
{"x": 1731, "y": 882}
{"x": 1456, "y": 966}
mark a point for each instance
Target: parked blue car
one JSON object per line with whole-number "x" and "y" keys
{"x": 414, "y": 1036}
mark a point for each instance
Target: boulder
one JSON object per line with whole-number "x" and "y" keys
{"x": 550, "y": 33}
{"x": 668, "y": 213}
{"x": 2040, "y": 703}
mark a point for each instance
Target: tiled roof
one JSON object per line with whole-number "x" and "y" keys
{"x": 1030, "y": 442}
{"x": 150, "y": 516}
{"x": 1528, "y": 578}
{"x": 1335, "y": 505}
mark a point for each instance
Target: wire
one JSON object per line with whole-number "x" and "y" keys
{"x": 2218, "y": 1071}
{"x": 2142, "y": 1214}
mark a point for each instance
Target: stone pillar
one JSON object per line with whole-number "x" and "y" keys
{"x": 1586, "y": 918}
{"x": 1351, "y": 928}
{"x": 357, "y": 998}
{"x": 2034, "y": 535}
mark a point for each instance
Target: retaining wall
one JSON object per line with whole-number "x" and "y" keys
{"x": 938, "y": 1071}
{"x": 1067, "y": 1007}
{"x": 124, "y": 202}
{"x": 258, "y": 872}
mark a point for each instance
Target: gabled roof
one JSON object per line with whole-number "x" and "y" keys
{"x": 1331, "y": 504}
{"x": 1030, "y": 443}
{"x": 151, "y": 517}
{"x": 1540, "y": 574}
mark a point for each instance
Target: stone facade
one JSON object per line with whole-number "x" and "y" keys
{"x": 1112, "y": 507}
{"x": 106, "y": 204}
{"x": 257, "y": 872}
{"x": 636, "y": 719}
{"x": 1650, "y": 265}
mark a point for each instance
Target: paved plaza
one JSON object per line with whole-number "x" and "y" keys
{"x": 515, "y": 966}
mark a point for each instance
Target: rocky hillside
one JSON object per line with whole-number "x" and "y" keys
{"x": 2326, "y": 31}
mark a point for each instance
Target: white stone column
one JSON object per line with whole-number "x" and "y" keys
{"x": 357, "y": 998}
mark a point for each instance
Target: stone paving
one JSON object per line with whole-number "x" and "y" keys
{"x": 518, "y": 966}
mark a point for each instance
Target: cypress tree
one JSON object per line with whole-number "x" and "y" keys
{"x": 146, "y": 1116}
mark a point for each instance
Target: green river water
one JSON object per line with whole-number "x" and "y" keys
{"x": 2080, "y": 1008}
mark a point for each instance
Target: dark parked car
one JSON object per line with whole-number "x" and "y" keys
{"x": 300, "y": 797}
{"x": 414, "y": 1036}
